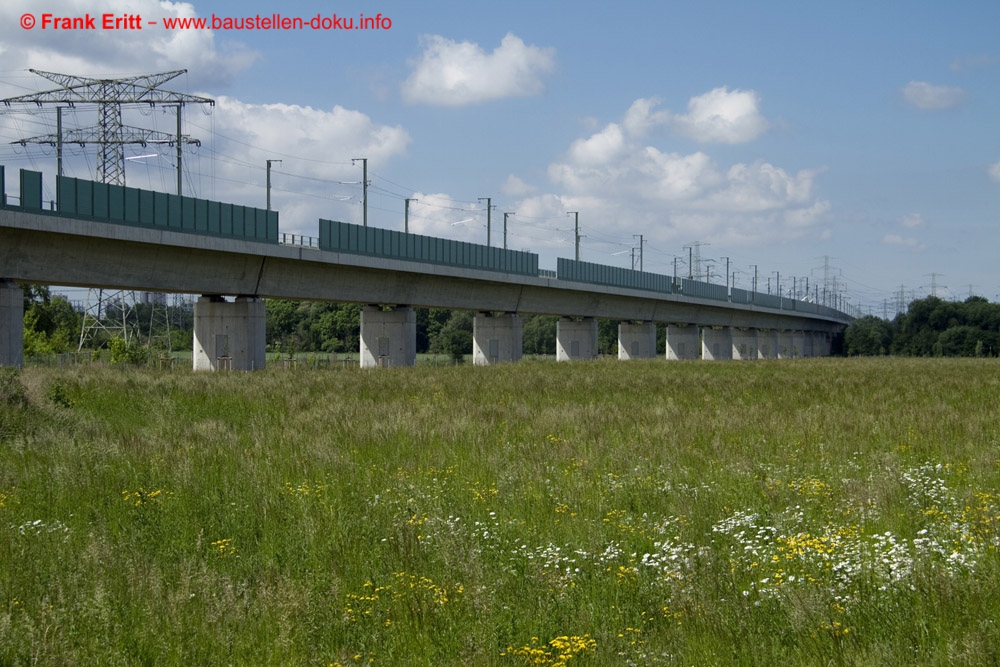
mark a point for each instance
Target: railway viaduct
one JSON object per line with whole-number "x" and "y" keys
{"x": 106, "y": 236}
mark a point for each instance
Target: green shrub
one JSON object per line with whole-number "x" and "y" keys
{"x": 130, "y": 352}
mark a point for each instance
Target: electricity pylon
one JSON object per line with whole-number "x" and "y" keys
{"x": 110, "y": 135}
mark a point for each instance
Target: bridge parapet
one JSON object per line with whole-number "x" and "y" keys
{"x": 78, "y": 198}
{"x": 373, "y": 241}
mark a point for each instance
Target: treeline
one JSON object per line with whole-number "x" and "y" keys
{"x": 931, "y": 327}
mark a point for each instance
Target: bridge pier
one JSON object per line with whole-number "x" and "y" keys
{"x": 807, "y": 350}
{"x": 796, "y": 344}
{"x": 229, "y": 335}
{"x": 496, "y": 339}
{"x": 745, "y": 345}
{"x": 388, "y": 337}
{"x": 11, "y": 324}
{"x": 636, "y": 340}
{"x": 785, "y": 345}
{"x": 767, "y": 344}
{"x": 576, "y": 339}
{"x": 822, "y": 345}
{"x": 716, "y": 344}
{"x": 683, "y": 342}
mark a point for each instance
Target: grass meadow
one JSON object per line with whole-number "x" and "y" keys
{"x": 795, "y": 512}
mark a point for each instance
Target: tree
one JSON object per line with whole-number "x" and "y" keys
{"x": 607, "y": 337}
{"x": 539, "y": 334}
{"x": 50, "y": 323}
{"x": 430, "y": 322}
{"x": 127, "y": 353}
{"x": 455, "y": 337}
{"x": 868, "y": 336}
{"x": 966, "y": 341}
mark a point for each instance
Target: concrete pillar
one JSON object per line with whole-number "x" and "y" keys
{"x": 11, "y": 324}
{"x": 497, "y": 339}
{"x": 822, "y": 344}
{"x": 683, "y": 342}
{"x": 767, "y": 344}
{"x": 576, "y": 339}
{"x": 797, "y": 344}
{"x": 229, "y": 335}
{"x": 636, "y": 340}
{"x": 388, "y": 337}
{"x": 807, "y": 344}
{"x": 716, "y": 344}
{"x": 785, "y": 345}
{"x": 744, "y": 343}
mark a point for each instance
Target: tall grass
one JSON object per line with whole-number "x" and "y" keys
{"x": 797, "y": 512}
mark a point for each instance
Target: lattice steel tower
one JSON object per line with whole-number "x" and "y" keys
{"x": 110, "y": 135}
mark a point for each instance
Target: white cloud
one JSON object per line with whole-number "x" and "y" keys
{"x": 760, "y": 187}
{"x": 629, "y": 186}
{"x": 598, "y": 148}
{"x": 904, "y": 241}
{"x": 671, "y": 176}
{"x": 322, "y": 143}
{"x": 453, "y": 73}
{"x": 640, "y": 119}
{"x": 994, "y": 171}
{"x": 912, "y": 221}
{"x": 515, "y": 187}
{"x": 117, "y": 52}
{"x": 924, "y": 95}
{"x": 312, "y": 134}
{"x": 721, "y": 116}
{"x": 807, "y": 217}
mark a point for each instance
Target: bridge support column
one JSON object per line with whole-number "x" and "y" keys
{"x": 744, "y": 343}
{"x": 636, "y": 340}
{"x": 388, "y": 337}
{"x": 821, "y": 344}
{"x": 576, "y": 339}
{"x": 785, "y": 345}
{"x": 229, "y": 335}
{"x": 683, "y": 342}
{"x": 716, "y": 344}
{"x": 11, "y": 324}
{"x": 797, "y": 344}
{"x": 767, "y": 344}
{"x": 497, "y": 339}
{"x": 807, "y": 345}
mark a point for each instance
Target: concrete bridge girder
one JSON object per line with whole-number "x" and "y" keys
{"x": 54, "y": 250}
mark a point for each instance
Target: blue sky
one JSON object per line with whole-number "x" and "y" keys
{"x": 775, "y": 134}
